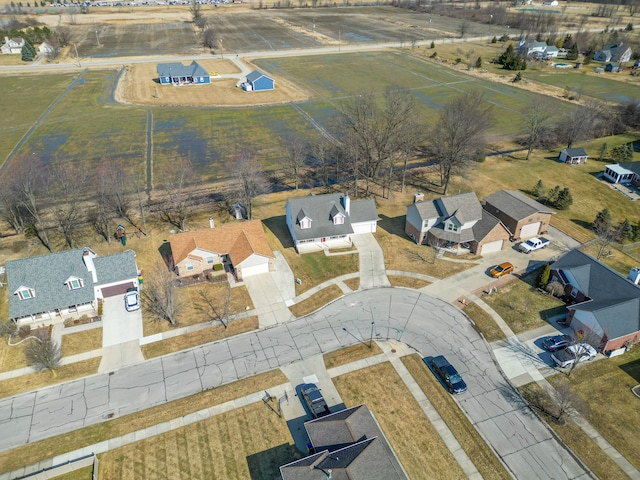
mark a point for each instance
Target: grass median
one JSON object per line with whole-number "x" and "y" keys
{"x": 316, "y": 301}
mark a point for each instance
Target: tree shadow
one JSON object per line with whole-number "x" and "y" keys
{"x": 265, "y": 465}
{"x": 393, "y": 225}
{"x": 278, "y": 226}
{"x": 581, "y": 223}
{"x": 632, "y": 369}
{"x": 166, "y": 254}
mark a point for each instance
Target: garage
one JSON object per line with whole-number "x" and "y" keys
{"x": 364, "y": 227}
{"x": 114, "y": 290}
{"x": 491, "y": 247}
{"x": 530, "y": 230}
{"x": 249, "y": 270}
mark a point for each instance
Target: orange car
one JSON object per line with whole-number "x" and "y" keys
{"x": 502, "y": 269}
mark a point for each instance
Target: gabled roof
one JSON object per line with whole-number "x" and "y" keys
{"x": 575, "y": 152}
{"x": 483, "y": 227}
{"x": 515, "y": 204}
{"x": 238, "y": 240}
{"x": 630, "y": 167}
{"x": 256, "y": 75}
{"x": 47, "y": 274}
{"x": 613, "y": 300}
{"x": 464, "y": 207}
{"x": 426, "y": 210}
{"x": 177, "y": 69}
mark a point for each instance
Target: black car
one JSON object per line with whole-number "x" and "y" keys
{"x": 314, "y": 400}
{"x": 556, "y": 342}
{"x": 449, "y": 375}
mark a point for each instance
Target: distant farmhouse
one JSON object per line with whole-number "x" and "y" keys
{"x": 258, "y": 81}
{"x": 616, "y": 53}
{"x": 178, "y": 74}
{"x": 533, "y": 48}
{"x": 12, "y": 46}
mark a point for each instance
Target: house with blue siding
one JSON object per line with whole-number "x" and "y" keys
{"x": 257, "y": 81}
{"x": 177, "y": 74}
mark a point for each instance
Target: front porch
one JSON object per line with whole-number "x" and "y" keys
{"x": 70, "y": 315}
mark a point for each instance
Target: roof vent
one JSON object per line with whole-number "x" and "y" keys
{"x": 418, "y": 197}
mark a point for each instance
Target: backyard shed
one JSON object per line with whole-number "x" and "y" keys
{"x": 573, "y": 156}
{"x": 258, "y": 81}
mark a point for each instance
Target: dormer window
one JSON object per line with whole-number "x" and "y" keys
{"x": 305, "y": 223}
{"x": 74, "y": 283}
{"x": 452, "y": 227}
{"x": 26, "y": 293}
{"x": 338, "y": 219}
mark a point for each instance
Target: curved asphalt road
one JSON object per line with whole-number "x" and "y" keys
{"x": 423, "y": 322}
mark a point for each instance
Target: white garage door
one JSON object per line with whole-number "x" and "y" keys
{"x": 365, "y": 227}
{"x": 491, "y": 247}
{"x": 255, "y": 270}
{"x": 530, "y": 230}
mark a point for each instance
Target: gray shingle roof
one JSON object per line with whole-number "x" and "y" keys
{"x": 464, "y": 207}
{"x": 255, "y": 75}
{"x": 575, "y": 152}
{"x": 631, "y": 166}
{"x": 482, "y": 228}
{"x": 515, "y": 204}
{"x": 426, "y": 210}
{"x": 177, "y": 69}
{"x": 319, "y": 209}
{"x": 614, "y": 300}
{"x": 47, "y": 274}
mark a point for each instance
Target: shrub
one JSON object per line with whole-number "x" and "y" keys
{"x": 434, "y": 55}
{"x": 218, "y": 267}
{"x": 433, "y": 44}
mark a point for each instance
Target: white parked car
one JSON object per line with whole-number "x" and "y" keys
{"x": 132, "y": 300}
{"x": 567, "y": 356}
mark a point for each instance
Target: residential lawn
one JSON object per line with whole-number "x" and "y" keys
{"x": 571, "y": 434}
{"x": 247, "y": 443}
{"x": 521, "y": 306}
{"x": 80, "y": 474}
{"x": 34, "y": 381}
{"x": 472, "y": 443}
{"x": 195, "y": 311}
{"x": 484, "y": 322}
{"x": 605, "y": 387}
{"x": 193, "y": 339}
{"x": 352, "y": 283}
{"x": 50, "y": 447}
{"x": 80, "y": 342}
{"x": 316, "y": 301}
{"x": 413, "y": 438}
{"x": 619, "y": 261}
{"x": 12, "y": 358}
{"x": 407, "y": 282}
{"x": 350, "y": 354}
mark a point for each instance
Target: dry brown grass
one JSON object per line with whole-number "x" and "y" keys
{"x": 415, "y": 441}
{"x": 34, "y": 381}
{"x": 80, "y": 342}
{"x": 350, "y": 354}
{"x": 200, "y": 337}
{"x": 484, "y": 322}
{"x": 589, "y": 451}
{"x": 407, "y": 282}
{"x": 352, "y": 283}
{"x": 316, "y": 301}
{"x": 33, "y": 452}
{"x": 80, "y": 474}
{"x": 472, "y": 443}
{"x": 247, "y": 443}
{"x": 619, "y": 261}
{"x": 11, "y": 358}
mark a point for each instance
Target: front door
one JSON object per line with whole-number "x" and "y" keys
{"x": 323, "y": 240}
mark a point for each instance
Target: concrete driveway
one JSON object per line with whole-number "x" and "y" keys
{"x": 121, "y": 334}
{"x": 371, "y": 257}
{"x": 267, "y": 297}
{"x": 426, "y": 324}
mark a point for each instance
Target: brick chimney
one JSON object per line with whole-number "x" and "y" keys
{"x": 418, "y": 197}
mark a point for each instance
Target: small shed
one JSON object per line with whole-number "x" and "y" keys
{"x": 612, "y": 68}
{"x": 259, "y": 81}
{"x": 573, "y": 156}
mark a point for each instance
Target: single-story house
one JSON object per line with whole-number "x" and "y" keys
{"x": 605, "y": 306}
{"x": 324, "y": 221}
{"x": 257, "y": 81}
{"x": 241, "y": 248}
{"x": 573, "y": 156}
{"x": 618, "y": 53}
{"x": 455, "y": 221}
{"x": 50, "y": 287}
{"x": 521, "y": 215}
{"x": 626, "y": 172}
{"x": 531, "y": 47}
{"x": 12, "y": 46}
{"x": 178, "y": 74}
{"x": 46, "y": 48}
{"x": 346, "y": 445}
{"x": 612, "y": 68}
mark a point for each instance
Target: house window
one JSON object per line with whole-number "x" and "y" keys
{"x": 74, "y": 283}
{"x": 338, "y": 220}
{"x": 425, "y": 223}
{"x": 305, "y": 223}
{"x": 209, "y": 260}
{"x": 574, "y": 292}
{"x": 451, "y": 227}
{"x": 26, "y": 293}
{"x": 189, "y": 267}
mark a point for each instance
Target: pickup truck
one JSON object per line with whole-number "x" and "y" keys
{"x": 314, "y": 400}
{"x": 535, "y": 243}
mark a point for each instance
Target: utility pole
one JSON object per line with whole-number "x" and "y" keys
{"x": 97, "y": 39}
{"x": 75, "y": 46}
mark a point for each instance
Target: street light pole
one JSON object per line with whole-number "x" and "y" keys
{"x": 373, "y": 324}
{"x": 361, "y": 341}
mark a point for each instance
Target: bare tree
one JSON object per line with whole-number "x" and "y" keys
{"x": 217, "y": 308}
{"x": 458, "y": 137}
{"x": 114, "y": 180}
{"x": 12, "y": 210}
{"x": 210, "y": 39}
{"x": 160, "y": 294}
{"x": 321, "y": 156}
{"x": 555, "y": 288}
{"x": 67, "y": 186}
{"x": 294, "y": 159}
{"x": 196, "y": 13}
{"x": 566, "y": 399}
{"x": 249, "y": 180}
{"x": 536, "y": 122}
{"x": 43, "y": 353}
{"x": 177, "y": 179}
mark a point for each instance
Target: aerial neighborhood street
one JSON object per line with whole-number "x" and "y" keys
{"x": 300, "y": 242}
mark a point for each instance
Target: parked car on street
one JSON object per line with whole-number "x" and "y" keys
{"x": 132, "y": 300}
{"x": 447, "y": 373}
{"x": 314, "y": 400}
{"x": 556, "y": 342}
{"x": 502, "y": 269}
{"x": 567, "y": 356}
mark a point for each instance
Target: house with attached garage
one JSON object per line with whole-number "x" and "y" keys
{"x": 316, "y": 222}
{"x": 346, "y": 445}
{"x": 456, "y": 223}
{"x": 604, "y": 306}
{"x": 12, "y": 46}
{"x": 618, "y": 53}
{"x": 239, "y": 248}
{"x": 178, "y": 74}
{"x": 69, "y": 284}
{"x": 523, "y": 216}
{"x": 627, "y": 172}
{"x": 573, "y": 156}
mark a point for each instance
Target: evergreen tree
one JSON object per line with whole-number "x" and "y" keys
{"x": 494, "y": 40}
{"x": 553, "y": 194}
{"x": 622, "y": 153}
{"x": 564, "y": 200}
{"x": 573, "y": 52}
{"x": 626, "y": 230}
{"x": 28, "y": 52}
{"x": 479, "y": 62}
{"x": 510, "y": 60}
{"x": 603, "y": 221}
{"x": 543, "y": 277}
{"x": 539, "y": 190}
